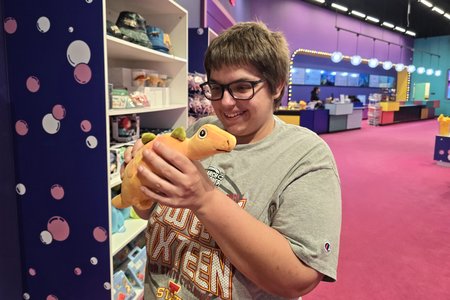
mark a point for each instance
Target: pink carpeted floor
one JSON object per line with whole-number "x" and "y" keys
{"x": 395, "y": 240}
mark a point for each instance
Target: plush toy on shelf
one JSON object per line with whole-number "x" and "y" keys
{"x": 444, "y": 125}
{"x": 208, "y": 140}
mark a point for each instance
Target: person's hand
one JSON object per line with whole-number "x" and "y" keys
{"x": 172, "y": 179}
{"x": 129, "y": 154}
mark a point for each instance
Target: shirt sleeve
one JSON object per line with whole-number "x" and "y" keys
{"x": 309, "y": 212}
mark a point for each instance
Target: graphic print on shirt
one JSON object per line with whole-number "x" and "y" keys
{"x": 180, "y": 247}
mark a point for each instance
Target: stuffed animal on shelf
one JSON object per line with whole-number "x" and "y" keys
{"x": 444, "y": 125}
{"x": 208, "y": 140}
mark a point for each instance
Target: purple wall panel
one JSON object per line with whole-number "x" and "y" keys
{"x": 311, "y": 27}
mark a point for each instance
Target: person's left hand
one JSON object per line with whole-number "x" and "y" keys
{"x": 172, "y": 179}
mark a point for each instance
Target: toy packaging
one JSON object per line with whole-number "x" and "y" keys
{"x": 123, "y": 290}
{"x": 125, "y": 128}
{"x": 136, "y": 266}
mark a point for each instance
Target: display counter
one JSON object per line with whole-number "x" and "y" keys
{"x": 442, "y": 150}
{"x": 335, "y": 117}
{"x": 394, "y": 112}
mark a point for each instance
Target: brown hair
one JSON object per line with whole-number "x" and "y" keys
{"x": 252, "y": 43}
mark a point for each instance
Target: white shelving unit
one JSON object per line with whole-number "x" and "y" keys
{"x": 172, "y": 19}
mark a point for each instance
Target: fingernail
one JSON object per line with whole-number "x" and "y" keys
{"x": 140, "y": 169}
{"x": 156, "y": 144}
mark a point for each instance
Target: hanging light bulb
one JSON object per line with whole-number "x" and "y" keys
{"x": 420, "y": 70}
{"x": 373, "y": 62}
{"x": 356, "y": 59}
{"x": 411, "y": 68}
{"x": 399, "y": 67}
{"x": 429, "y": 71}
{"x": 387, "y": 65}
{"x": 336, "y": 56}
{"x": 437, "y": 73}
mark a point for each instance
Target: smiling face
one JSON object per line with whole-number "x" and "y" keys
{"x": 248, "y": 120}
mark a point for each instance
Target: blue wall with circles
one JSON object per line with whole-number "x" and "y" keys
{"x": 56, "y": 82}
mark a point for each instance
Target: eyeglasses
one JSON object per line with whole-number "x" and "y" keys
{"x": 239, "y": 90}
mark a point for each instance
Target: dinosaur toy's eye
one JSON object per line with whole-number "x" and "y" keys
{"x": 203, "y": 133}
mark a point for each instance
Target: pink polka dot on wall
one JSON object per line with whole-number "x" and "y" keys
{"x": 57, "y": 191}
{"x": 33, "y": 84}
{"x": 59, "y": 228}
{"x": 82, "y": 73}
{"x": 21, "y": 127}
{"x": 86, "y": 125}
{"x": 77, "y": 271}
{"x": 58, "y": 112}
{"x": 100, "y": 234}
{"x": 51, "y": 297}
{"x": 10, "y": 25}
{"x": 32, "y": 271}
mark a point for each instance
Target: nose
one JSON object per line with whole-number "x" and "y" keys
{"x": 227, "y": 98}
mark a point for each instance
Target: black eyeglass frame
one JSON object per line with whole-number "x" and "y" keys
{"x": 227, "y": 86}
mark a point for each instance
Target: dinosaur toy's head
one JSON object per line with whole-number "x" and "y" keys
{"x": 208, "y": 140}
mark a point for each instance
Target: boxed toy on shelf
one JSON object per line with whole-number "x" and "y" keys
{"x": 136, "y": 266}
{"x": 125, "y": 128}
{"x": 199, "y": 106}
{"x": 122, "y": 288}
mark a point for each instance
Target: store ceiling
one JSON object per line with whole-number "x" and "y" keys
{"x": 421, "y": 19}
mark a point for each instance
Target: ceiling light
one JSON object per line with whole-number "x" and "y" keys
{"x": 429, "y": 71}
{"x": 438, "y": 10}
{"x": 336, "y": 56}
{"x": 387, "y": 24}
{"x": 387, "y": 65}
{"x": 372, "y": 19}
{"x": 340, "y": 7}
{"x": 426, "y": 3}
{"x": 447, "y": 16}
{"x": 320, "y": 1}
{"x": 399, "y": 29}
{"x": 411, "y": 68}
{"x": 420, "y": 70}
{"x": 356, "y": 60}
{"x": 410, "y": 33}
{"x": 399, "y": 67}
{"x": 437, "y": 73}
{"x": 373, "y": 63}
{"x": 358, "y": 14}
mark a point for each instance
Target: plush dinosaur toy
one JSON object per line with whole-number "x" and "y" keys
{"x": 208, "y": 140}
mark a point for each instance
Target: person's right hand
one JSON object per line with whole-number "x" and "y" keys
{"x": 129, "y": 155}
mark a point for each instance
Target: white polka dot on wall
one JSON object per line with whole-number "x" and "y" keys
{"x": 100, "y": 234}
{"x": 26, "y": 296}
{"x": 82, "y": 73}
{"x": 21, "y": 127}
{"x": 33, "y": 84}
{"x": 91, "y": 141}
{"x": 46, "y": 237}
{"x": 89, "y": 1}
{"x": 86, "y": 125}
{"x": 50, "y": 124}
{"x": 70, "y": 29}
{"x": 107, "y": 286}
{"x": 57, "y": 192}
{"x": 43, "y": 24}
{"x": 21, "y": 189}
{"x": 94, "y": 261}
{"x": 59, "y": 112}
{"x": 10, "y": 25}
{"x": 78, "y": 52}
{"x": 59, "y": 228}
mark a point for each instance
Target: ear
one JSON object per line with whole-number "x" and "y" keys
{"x": 278, "y": 90}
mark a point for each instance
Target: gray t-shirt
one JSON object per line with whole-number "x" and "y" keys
{"x": 288, "y": 181}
